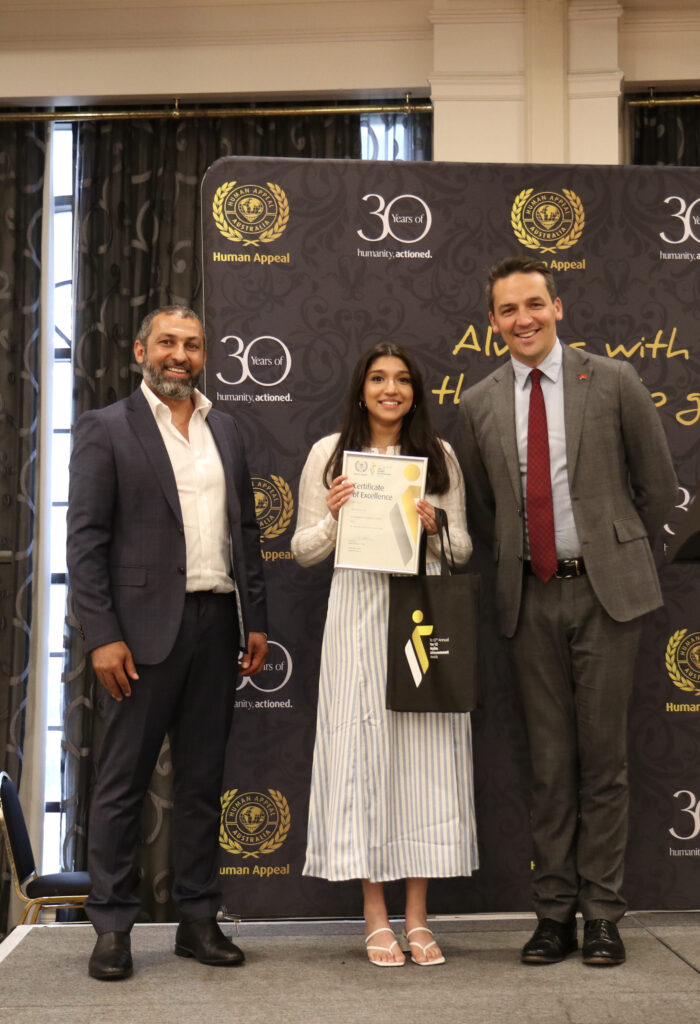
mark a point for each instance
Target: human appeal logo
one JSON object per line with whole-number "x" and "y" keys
{"x": 547, "y": 221}
{"x": 274, "y": 505}
{"x": 253, "y": 824}
{"x": 683, "y": 667}
{"x": 250, "y": 214}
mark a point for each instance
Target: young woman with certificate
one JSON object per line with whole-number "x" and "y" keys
{"x": 391, "y": 792}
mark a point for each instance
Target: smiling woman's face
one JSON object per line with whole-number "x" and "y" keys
{"x": 388, "y": 392}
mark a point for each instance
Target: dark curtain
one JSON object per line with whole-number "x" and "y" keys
{"x": 138, "y": 243}
{"x": 666, "y": 135}
{"x": 22, "y": 159}
{"x": 388, "y": 136}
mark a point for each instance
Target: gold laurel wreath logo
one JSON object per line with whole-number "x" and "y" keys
{"x": 270, "y": 845}
{"x": 579, "y": 221}
{"x": 282, "y": 216}
{"x": 672, "y": 665}
{"x": 529, "y": 240}
{"x": 233, "y": 234}
{"x": 285, "y": 518}
{"x": 516, "y": 220}
{"x": 285, "y": 821}
{"x": 225, "y": 841}
{"x": 222, "y": 224}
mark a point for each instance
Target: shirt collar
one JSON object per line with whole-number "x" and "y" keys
{"x": 202, "y": 405}
{"x": 550, "y": 366}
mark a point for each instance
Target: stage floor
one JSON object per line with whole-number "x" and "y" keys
{"x": 313, "y": 972}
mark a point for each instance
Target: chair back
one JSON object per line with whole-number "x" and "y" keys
{"x": 15, "y": 829}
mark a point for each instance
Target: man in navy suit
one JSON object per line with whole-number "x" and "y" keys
{"x": 166, "y": 574}
{"x": 574, "y": 618}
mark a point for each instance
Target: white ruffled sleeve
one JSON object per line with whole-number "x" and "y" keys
{"x": 316, "y": 530}
{"x": 453, "y": 501}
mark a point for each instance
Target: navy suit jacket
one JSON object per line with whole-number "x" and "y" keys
{"x": 126, "y": 540}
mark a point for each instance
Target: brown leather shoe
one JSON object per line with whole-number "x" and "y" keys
{"x": 602, "y": 945}
{"x": 551, "y": 942}
{"x": 204, "y": 940}
{"x": 111, "y": 957}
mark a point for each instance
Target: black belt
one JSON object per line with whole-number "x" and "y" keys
{"x": 567, "y": 569}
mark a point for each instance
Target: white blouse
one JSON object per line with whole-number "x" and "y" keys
{"x": 316, "y": 530}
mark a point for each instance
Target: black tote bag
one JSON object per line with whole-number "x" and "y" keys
{"x": 432, "y": 637}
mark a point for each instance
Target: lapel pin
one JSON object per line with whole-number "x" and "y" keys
{"x": 583, "y": 376}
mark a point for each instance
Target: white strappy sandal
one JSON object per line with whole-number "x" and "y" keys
{"x": 384, "y": 949}
{"x": 406, "y": 936}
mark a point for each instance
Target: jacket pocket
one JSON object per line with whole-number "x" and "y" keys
{"x": 128, "y": 576}
{"x": 631, "y": 528}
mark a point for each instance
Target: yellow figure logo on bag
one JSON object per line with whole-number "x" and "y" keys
{"x": 416, "y": 655}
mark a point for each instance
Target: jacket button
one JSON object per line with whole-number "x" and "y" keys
{"x": 181, "y": 570}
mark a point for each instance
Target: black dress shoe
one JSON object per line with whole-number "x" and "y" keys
{"x": 111, "y": 957}
{"x": 602, "y": 945}
{"x": 205, "y": 941}
{"x": 551, "y": 942}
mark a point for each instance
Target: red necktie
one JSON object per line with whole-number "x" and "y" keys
{"x": 540, "y": 512}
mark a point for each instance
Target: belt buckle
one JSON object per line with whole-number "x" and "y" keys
{"x": 571, "y": 569}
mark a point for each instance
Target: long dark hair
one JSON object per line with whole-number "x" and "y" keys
{"x": 418, "y": 435}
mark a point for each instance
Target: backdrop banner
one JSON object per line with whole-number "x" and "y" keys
{"x": 309, "y": 262}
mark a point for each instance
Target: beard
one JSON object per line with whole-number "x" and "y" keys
{"x": 168, "y": 388}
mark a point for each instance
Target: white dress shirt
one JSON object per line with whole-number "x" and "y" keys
{"x": 201, "y": 487}
{"x": 552, "y": 381}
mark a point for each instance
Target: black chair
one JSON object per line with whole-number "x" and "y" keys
{"x": 37, "y": 892}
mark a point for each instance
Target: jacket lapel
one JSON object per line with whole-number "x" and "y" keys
{"x": 504, "y": 412}
{"x": 143, "y": 423}
{"x": 578, "y": 370}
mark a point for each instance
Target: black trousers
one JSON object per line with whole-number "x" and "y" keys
{"x": 190, "y": 698}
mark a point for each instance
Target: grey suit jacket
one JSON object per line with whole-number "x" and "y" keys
{"x": 126, "y": 541}
{"x": 620, "y": 472}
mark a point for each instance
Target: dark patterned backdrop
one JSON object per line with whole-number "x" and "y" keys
{"x": 308, "y": 263}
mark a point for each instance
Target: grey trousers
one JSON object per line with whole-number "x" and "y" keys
{"x": 575, "y": 669}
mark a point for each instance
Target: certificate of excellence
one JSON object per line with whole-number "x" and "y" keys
{"x": 378, "y": 527}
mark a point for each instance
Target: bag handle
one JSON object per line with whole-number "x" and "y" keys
{"x": 447, "y": 568}
{"x": 447, "y": 562}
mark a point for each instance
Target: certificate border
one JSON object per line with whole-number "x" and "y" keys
{"x": 410, "y": 569}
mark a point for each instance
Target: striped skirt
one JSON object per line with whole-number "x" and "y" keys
{"x": 392, "y": 793}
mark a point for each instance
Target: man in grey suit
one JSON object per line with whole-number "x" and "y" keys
{"x": 568, "y": 478}
{"x": 166, "y": 574}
